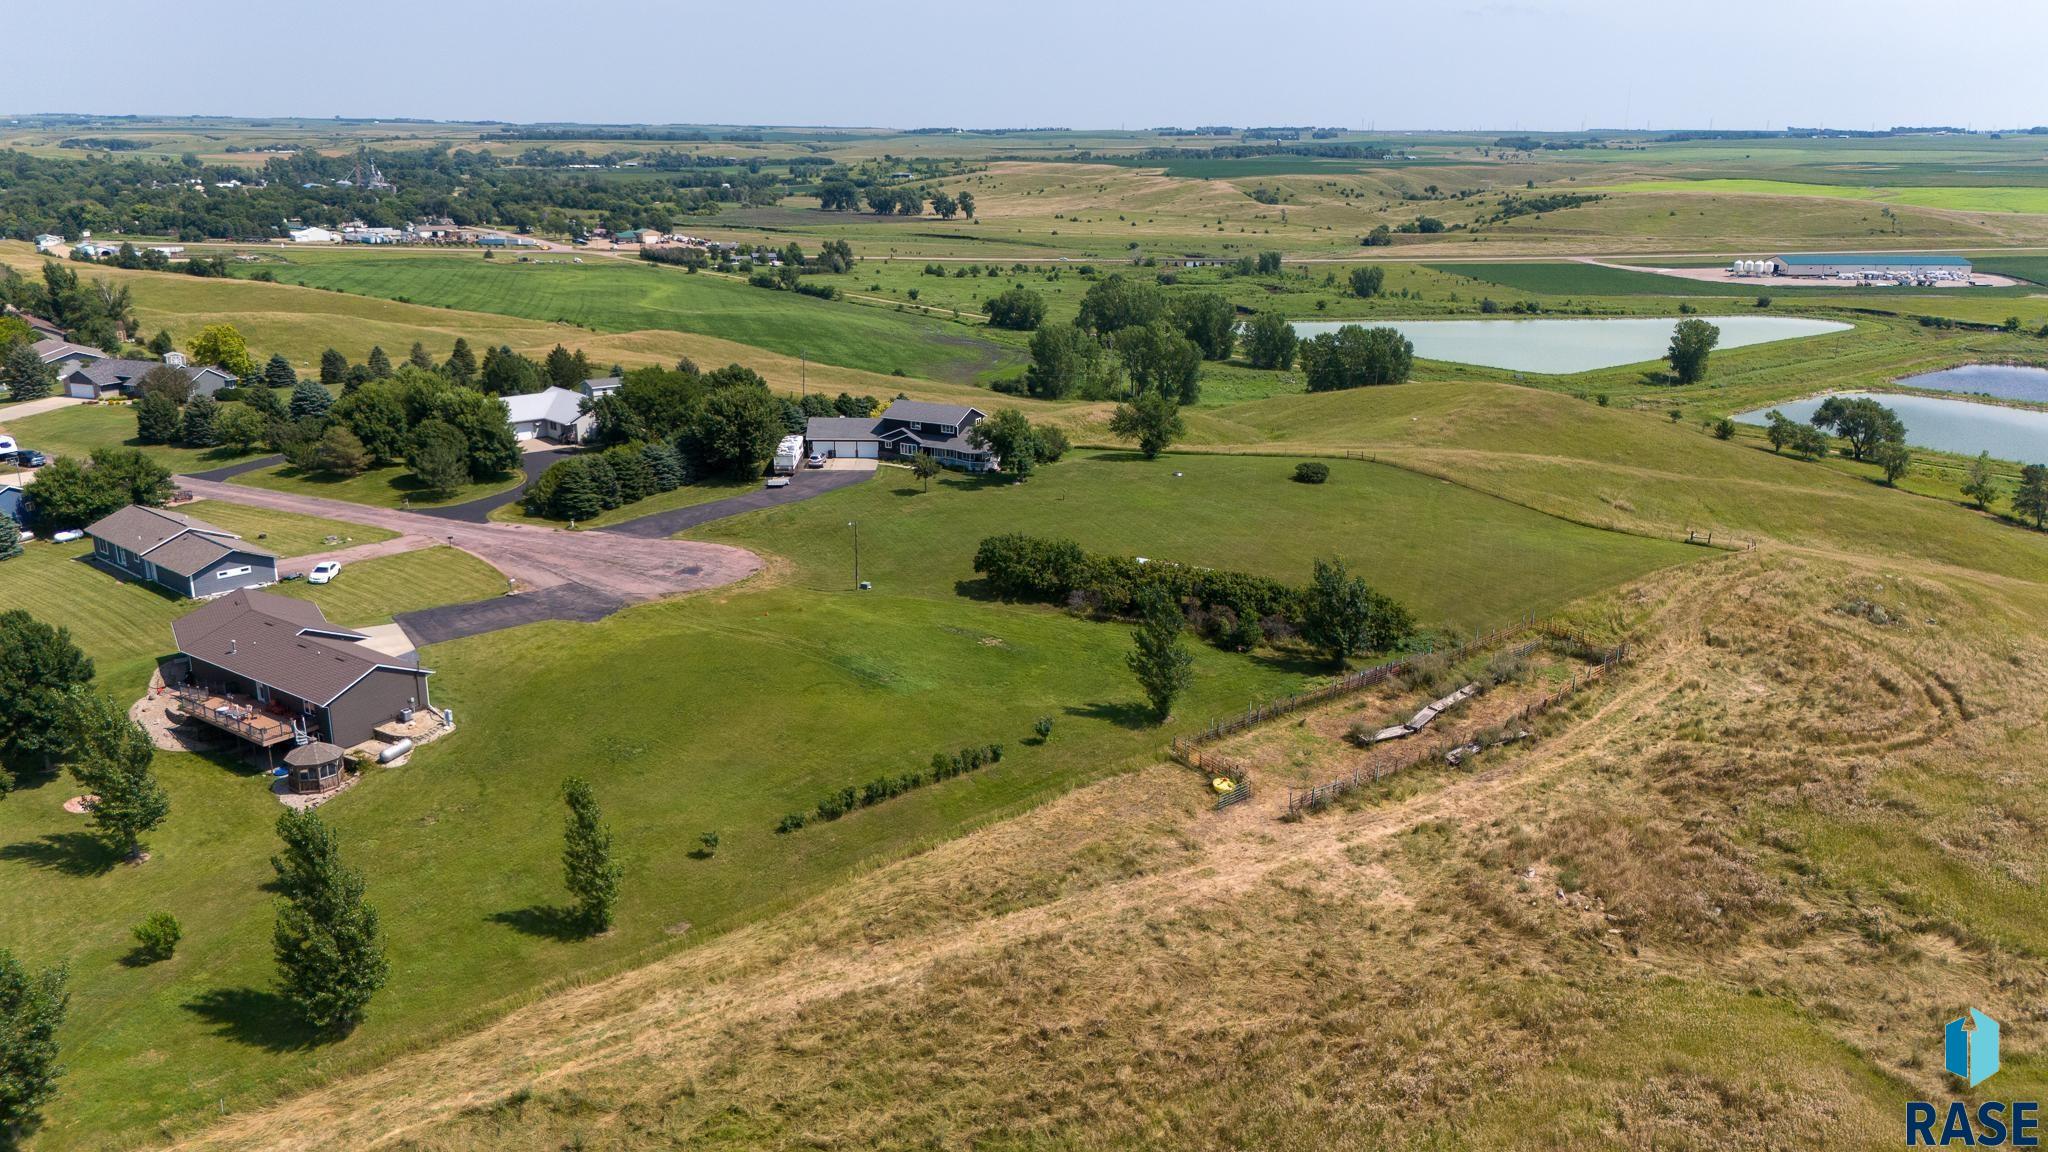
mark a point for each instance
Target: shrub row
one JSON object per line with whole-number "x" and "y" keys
{"x": 1021, "y": 567}
{"x": 943, "y": 767}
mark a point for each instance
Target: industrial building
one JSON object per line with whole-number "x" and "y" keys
{"x": 1859, "y": 266}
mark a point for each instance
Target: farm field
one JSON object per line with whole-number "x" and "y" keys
{"x": 1960, "y": 199}
{"x": 614, "y": 295}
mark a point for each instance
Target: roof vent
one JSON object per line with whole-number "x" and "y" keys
{"x": 231, "y": 647}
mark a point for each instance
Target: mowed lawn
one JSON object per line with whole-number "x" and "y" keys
{"x": 720, "y": 711}
{"x": 83, "y": 428}
{"x": 391, "y": 486}
{"x": 373, "y": 591}
{"x": 1454, "y": 556}
{"x": 616, "y": 295}
{"x": 288, "y": 534}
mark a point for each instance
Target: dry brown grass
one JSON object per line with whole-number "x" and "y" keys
{"x": 1651, "y": 928}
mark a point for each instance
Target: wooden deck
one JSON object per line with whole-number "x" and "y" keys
{"x": 241, "y": 716}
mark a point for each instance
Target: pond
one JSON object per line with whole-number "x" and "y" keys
{"x": 2005, "y": 381}
{"x": 1564, "y": 346}
{"x": 1960, "y": 426}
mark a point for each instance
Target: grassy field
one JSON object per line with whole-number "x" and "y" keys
{"x": 80, "y": 429}
{"x": 612, "y": 295}
{"x": 288, "y": 534}
{"x": 461, "y": 848}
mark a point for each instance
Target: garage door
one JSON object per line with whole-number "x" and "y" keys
{"x": 848, "y": 449}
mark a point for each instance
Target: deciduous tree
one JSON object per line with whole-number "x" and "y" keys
{"x": 31, "y": 1011}
{"x": 109, "y": 755}
{"x": 1691, "y": 341}
{"x": 329, "y": 948}
{"x": 1153, "y": 420}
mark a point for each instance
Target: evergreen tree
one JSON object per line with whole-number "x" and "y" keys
{"x": 330, "y": 955}
{"x": 561, "y": 368}
{"x": 310, "y": 398}
{"x": 461, "y": 366}
{"x": 10, "y": 538}
{"x": 110, "y": 758}
{"x": 1159, "y": 656}
{"x": 202, "y": 422}
{"x": 278, "y": 372}
{"x": 379, "y": 364}
{"x": 576, "y": 496}
{"x": 418, "y": 357}
{"x": 333, "y": 368}
{"x": 587, "y": 865}
{"x": 666, "y": 465}
{"x": 31, "y": 1011}
{"x": 158, "y": 420}
{"x": 161, "y": 343}
{"x": 25, "y": 374}
{"x": 262, "y": 400}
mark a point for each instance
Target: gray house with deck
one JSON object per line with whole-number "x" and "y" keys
{"x": 272, "y": 670}
{"x": 178, "y": 553}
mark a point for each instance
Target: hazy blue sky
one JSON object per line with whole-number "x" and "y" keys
{"x": 1100, "y": 64}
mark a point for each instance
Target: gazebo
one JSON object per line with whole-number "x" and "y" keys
{"x": 314, "y": 767}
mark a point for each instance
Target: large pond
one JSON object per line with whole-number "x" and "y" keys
{"x": 1948, "y": 425}
{"x": 2005, "y": 381}
{"x": 1564, "y": 346}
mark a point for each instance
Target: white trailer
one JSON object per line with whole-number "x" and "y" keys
{"x": 789, "y": 455}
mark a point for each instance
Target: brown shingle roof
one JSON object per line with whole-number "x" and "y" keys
{"x": 265, "y": 637}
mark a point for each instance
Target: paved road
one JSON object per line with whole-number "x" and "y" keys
{"x": 660, "y": 525}
{"x": 229, "y": 471}
{"x": 479, "y": 511}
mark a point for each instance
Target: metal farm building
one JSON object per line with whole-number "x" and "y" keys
{"x": 1895, "y": 264}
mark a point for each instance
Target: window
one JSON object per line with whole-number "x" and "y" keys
{"x": 225, "y": 573}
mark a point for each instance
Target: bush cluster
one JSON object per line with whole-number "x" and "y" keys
{"x": 1233, "y": 608}
{"x": 944, "y": 766}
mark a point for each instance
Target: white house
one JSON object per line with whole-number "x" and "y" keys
{"x": 313, "y": 235}
{"x": 551, "y": 414}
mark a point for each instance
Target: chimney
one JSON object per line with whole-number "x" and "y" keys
{"x": 231, "y": 647}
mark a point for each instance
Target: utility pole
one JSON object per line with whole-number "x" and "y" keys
{"x": 855, "y": 525}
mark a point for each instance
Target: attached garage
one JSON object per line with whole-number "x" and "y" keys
{"x": 843, "y": 438}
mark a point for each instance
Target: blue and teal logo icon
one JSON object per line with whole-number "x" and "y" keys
{"x": 1970, "y": 1048}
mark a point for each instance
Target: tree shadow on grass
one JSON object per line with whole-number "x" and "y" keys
{"x": 254, "y": 1017}
{"x": 1295, "y": 663}
{"x": 546, "y": 921}
{"x": 72, "y": 853}
{"x": 1124, "y": 715}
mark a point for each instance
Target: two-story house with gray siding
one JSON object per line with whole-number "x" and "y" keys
{"x": 271, "y": 669}
{"x": 908, "y": 428}
{"x": 178, "y": 553}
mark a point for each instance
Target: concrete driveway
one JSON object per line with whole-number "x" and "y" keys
{"x": 28, "y": 408}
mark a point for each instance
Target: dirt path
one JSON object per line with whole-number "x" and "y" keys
{"x": 350, "y": 555}
{"x": 625, "y": 568}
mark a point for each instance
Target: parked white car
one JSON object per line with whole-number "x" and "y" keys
{"x": 324, "y": 571}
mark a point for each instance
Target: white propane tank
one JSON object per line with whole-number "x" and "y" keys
{"x": 394, "y": 751}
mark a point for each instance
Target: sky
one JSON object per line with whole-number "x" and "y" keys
{"x": 1446, "y": 64}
